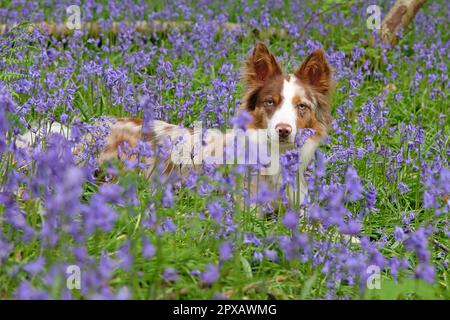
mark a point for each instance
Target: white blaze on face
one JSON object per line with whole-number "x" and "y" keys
{"x": 287, "y": 113}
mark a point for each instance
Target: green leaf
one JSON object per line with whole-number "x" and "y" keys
{"x": 246, "y": 267}
{"x": 308, "y": 286}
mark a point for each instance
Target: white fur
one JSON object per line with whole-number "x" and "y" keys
{"x": 287, "y": 113}
{"x": 29, "y": 138}
{"x": 307, "y": 152}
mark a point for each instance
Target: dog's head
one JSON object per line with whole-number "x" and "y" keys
{"x": 286, "y": 103}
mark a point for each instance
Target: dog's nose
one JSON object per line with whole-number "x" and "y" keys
{"x": 283, "y": 129}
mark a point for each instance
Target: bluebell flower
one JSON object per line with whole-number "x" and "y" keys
{"x": 210, "y": 275}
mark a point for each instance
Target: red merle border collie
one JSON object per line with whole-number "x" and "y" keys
{"x": 283, "y": 103}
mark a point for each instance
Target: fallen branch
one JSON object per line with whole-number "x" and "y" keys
{"x": 94, "y": 29}
{"x": 401, "y": 15}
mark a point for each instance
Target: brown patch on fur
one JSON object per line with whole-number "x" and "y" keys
{"x": 318, "y": 117}
{"x": 308, "y": 92}
{"x": 261, "y": 112}
{"x": 125, "y": 134}
{"x": 314, "y": 76}
{"x": 120, "y": 132}
{"x": 316, "y": 72}
{"x": 259, "y": 68}
{"x": 309, "y": 120}
{"x": 136, "y": 121}
{"x": 167, "y": 130}
{"x": 296, "y": 100}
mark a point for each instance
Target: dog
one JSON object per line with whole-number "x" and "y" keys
{"x": 281, "y": 103}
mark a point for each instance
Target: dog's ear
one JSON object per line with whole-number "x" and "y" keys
{"x": 316, "y": 71}
{"x": 260, "y": 66}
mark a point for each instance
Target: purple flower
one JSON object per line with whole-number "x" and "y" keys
{"x": 123, "y": 294}
{"x": 167, "y": 225}
{"x": 399, "y": 234}
{"x": 210, "y": 275}
{"x": 425, "y": 272}
{"x": 99, "y": 215}
{"x": 242, "y": 120}
{"x": 105, "y": 266}
{"x": 149, "y": 249}
{"x": 290, "y": 161}
{"x": 125, "y": 258}
{"x": 265, "y": 194}
{"x": 403, "y": 188}
{"x": 111, "y": 192}
{"x": 296, "y": 247}
{"x": 251, "y": 238}
{"x": 219, "y": 296}
{"x": 216, "y": 210}
{"x": 258, "y": 256}
{"x": 271, "y": 254}
{"x": 417, "y": 240}
{"x": 352, "y": 227}
{"x": 290, "y": 220}
{"x": 418, "y": 243}
{"x": 302, "y": 136}
{"x": 353, "y": 185}
{"x": 7, "y": 105}
{"x": 226, "y": 251}
{"x": 408, "y": 217}
{"x": 170, "y": 274}
{"x": 5, "y": 249}
{"x": 26, "y": 292}
{"x": 371, "y": 198}
{"x": 396, "y": 264}
{"x": 36, "y": 266}
{"x": 168, "y": 199}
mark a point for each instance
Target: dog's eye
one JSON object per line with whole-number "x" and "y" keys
{"x": 268, "y": 102}
{"x": 302, "y": 106}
